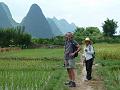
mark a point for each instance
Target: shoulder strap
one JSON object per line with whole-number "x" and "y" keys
{"x": 89, "y": 47}
{"x": 73, "y": 43}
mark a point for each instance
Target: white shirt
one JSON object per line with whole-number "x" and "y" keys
{"x": 88, "y": 52}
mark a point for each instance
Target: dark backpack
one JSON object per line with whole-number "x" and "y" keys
{"x": 93, "y": 55}
{"x": 74, "y": 49}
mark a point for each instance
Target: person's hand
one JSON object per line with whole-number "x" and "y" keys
{"x": 72, "y": 54}
{"x": 66, "y": 62}
{"x": 86, "y": 50}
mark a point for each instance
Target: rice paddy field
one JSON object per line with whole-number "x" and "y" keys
{"x": 33, "y": 69}
{"x": 108, "y": 57}
{"x": 42, "y": 69}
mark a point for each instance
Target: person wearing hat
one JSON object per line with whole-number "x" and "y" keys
{"x": 89, "y": 57}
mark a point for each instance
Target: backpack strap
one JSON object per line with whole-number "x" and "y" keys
{"x": 73, "y": 43}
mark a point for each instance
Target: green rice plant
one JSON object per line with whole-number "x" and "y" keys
{"x": 32, "y": 69}
{"x": 31, "y": 75}
{"x": 110, "y": 72}
{"x": 108, "y": 56}
{"x": 107, "y": 51}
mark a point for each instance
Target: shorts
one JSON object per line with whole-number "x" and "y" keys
{"x": 71, "y": 64}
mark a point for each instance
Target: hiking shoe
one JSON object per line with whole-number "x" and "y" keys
{"x": 89, "y": 78}
{"x": 68, "y": 83}
{"x": 73, "y": 84}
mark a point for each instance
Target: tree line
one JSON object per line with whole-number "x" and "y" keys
{"x": 12, "y": 37}
{"x": 18, "y": 37}
{"x": 108, "y": 35}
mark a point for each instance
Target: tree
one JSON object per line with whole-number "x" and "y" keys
{"x": 88, "y": 31}
{"x": 81, "y": 33}
{"x": 93, "y": 31}
{"x": 14, "y": 36}
{"x": 109, "y": 27}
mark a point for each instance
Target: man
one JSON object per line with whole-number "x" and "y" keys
{"x": 70, "y": 53}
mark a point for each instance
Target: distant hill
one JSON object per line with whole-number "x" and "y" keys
{"x": 64, "y": 26}
{"x": 36, "y": 24}
{"x": 6, "y": 19}
{"x": 54, "y": 27}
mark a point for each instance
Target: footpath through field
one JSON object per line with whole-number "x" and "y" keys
{"x": 95, "y": 84}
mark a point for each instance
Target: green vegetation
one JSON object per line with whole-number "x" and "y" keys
{"x": 108, "y": 56}
{"x": 31, "y": 75}
{"x": 109, "y": 27}
{"x": 34, "y": 53}
{"x": 107, "y": 36}
{"x": 58, "y": 40}
{"x": 14, "y": 37}
{"x": 19, "y": 38}
{"x": 41, "y": 69}
{"x": 93, "y": 32}
{"x": 46, "y": 73}
{"x": 107, "y": 51}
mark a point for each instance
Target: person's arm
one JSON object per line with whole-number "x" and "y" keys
{"x": 78, "y": 48}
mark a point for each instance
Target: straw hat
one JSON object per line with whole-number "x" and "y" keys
{"x": 87, "y": 39}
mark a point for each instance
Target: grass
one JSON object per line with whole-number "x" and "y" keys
{"x": 37, "y": 53}
{"x": 42, "y": 74}
{"x": 31, "y": 75}
{"x": 41, "y": 69}
{"x": 107, "y": 51}
{"x": 108, "y": 56}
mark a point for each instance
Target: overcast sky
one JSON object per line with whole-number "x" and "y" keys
{"x": 82, "y": 12}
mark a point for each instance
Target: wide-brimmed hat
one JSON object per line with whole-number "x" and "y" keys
{"x": 87, "y": 39}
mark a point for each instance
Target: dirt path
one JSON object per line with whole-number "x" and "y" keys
{"x": 94, "y": 84}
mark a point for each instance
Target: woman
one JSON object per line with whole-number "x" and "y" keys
{"x": 89, "y": 57}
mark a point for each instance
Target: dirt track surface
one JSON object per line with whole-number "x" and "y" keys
{"x": 82, "y": 84}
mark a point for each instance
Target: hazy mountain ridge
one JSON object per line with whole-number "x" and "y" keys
{"x": 54, "y": 27}
{"x": 64, "y": 26}
{"x": 6, "y": 19}
{"x": 36, "y": 23}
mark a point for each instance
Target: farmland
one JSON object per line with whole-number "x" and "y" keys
{"x": 40, "y": 74}
{"x": 108, "y": 56}
{"x": 41, "y": 69}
